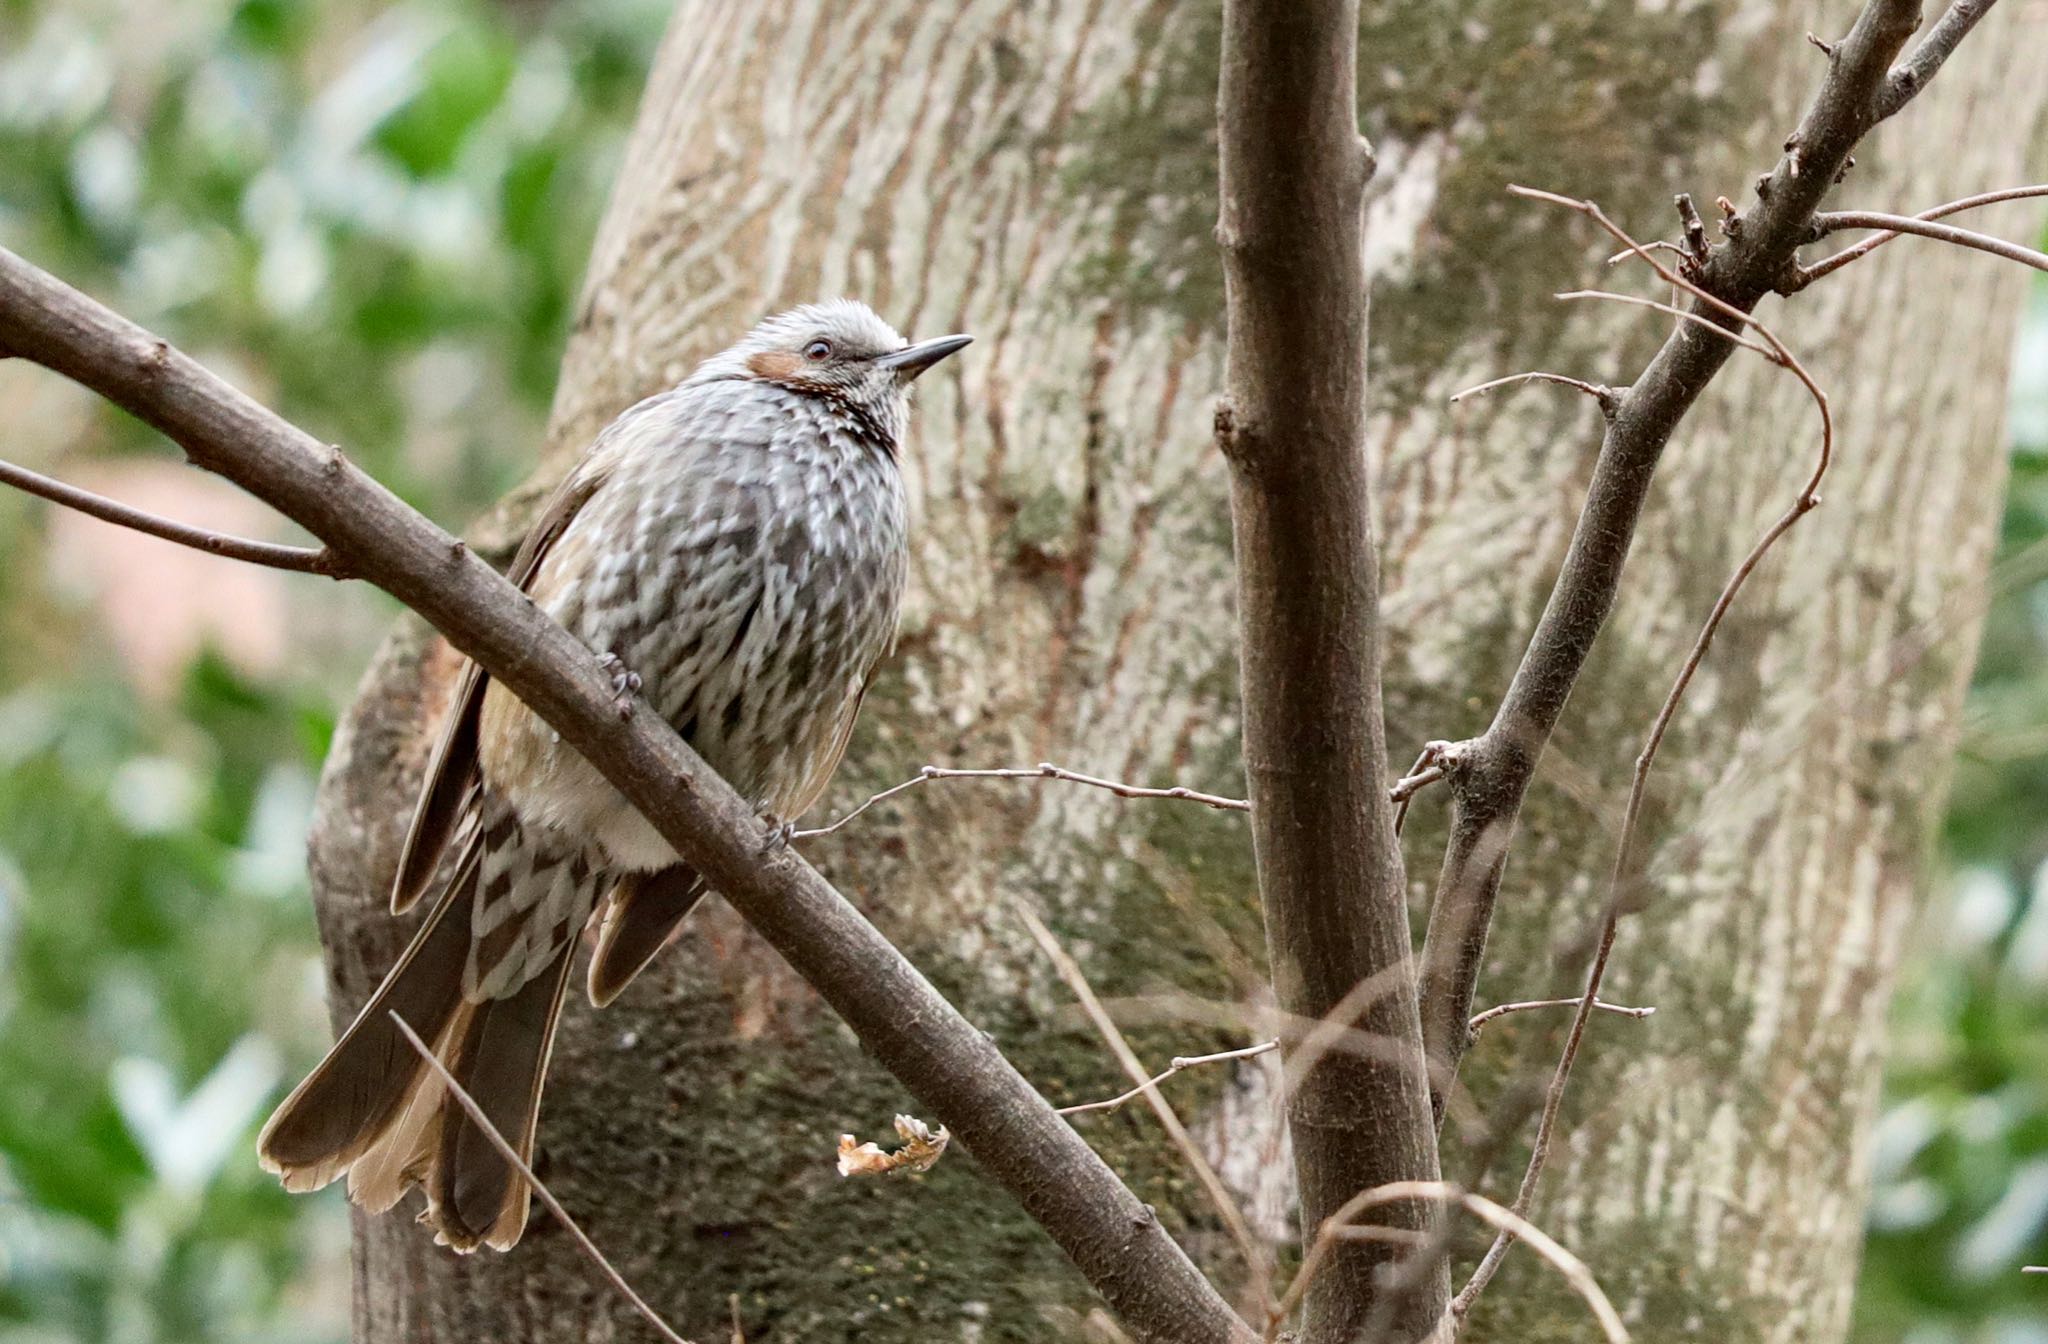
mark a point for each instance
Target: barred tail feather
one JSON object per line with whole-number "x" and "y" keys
{"x": 474, "y": 1196}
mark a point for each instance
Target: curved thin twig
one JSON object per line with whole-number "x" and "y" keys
{"x": 1681, "y": 314}
{"x": 1609, "y": 398}
{"x": 1479, "y": 1020}
{"x": 1806, "y": 275}
{"x": 1340, "y": 1227}
{"x": 1837, "y": 220}
{"x": 296, "y": 559}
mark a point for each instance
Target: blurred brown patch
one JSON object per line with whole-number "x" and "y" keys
{"x": 161, "y": 603}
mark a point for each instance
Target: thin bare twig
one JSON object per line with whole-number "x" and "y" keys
{"x": 1479, "y": 1020}
{"x": 1253, "y": 1250}
{"x": 1340, "y": 1226}
{"x": 1656, "y": 245}
{"x": 1837, "y": 220}
{"x": 1427, "y": 770}
{"x": 1179, "y": 1064}
{"x": 1306, "y": 1040}
{"x": 1043, "y": 770}
{"x": 296, "y": 559}
{"x": 1675, "y": 311}
{"x": 1806, "y": 275}
{"x": 1406, "y": 787}
{"x": 1606, "y": 396}
{"x": 1805, "y": 502}
{"x": 540, "y": 1191}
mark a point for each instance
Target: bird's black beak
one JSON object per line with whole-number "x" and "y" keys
{"x": 912, "y": 360}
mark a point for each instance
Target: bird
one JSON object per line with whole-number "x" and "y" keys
{"x": 734, "y": 550}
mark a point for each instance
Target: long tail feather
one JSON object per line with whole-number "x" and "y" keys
{"x": 474, "y": 1196}
{"x": 355, "y": 1095}
{"x": 402, "y": 1158}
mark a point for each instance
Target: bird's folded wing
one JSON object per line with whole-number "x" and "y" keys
{"x": 449, "y": 791}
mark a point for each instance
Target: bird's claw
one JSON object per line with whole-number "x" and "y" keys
{"x": 780, "y": 833}
{"x": 625, "y": 683}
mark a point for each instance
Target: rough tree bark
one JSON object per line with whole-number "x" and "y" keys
{"x": 1042, "y": 175}
{"x": 1292, "y": 176}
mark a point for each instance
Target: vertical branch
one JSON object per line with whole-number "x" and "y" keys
{"x": 1292, "y": 424}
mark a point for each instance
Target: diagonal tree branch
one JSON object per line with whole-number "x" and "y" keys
{"x": 1491, "y": 774}
{"x": 1910, "y": 76}
{"x": 953, "y": 1070}
{"x": 1292, "y": 428}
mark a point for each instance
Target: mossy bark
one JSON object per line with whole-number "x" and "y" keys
{"x": 1042, "y": 174}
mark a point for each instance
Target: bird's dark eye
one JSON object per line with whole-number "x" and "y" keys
{"x": 818, "y": 351}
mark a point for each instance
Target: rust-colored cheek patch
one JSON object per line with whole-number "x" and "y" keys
{"x": 777, "y": 366}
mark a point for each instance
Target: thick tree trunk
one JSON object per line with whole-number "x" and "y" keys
{"x": 1041, "y": 174}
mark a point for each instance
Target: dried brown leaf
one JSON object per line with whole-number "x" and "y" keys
{"x": 922, "y": 1146}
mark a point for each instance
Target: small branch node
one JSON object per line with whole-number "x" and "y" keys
{"x": 1438, "y": 760}
{"x": 1731, "y": 218}
{"x": 1228, "y": 433}
{"x": 1696, "y": 248}
{"x": 1826, "y": 49}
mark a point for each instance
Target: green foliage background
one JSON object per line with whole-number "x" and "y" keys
{"x": 374, "y": 216}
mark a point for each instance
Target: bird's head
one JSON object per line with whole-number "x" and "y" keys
{"x": 839, "y": 351}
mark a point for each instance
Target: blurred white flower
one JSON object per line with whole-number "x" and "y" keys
{"x": 187, "y": 1140}
{"x": 1998, "y": 1240}
{"x": 154, "y": 795}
